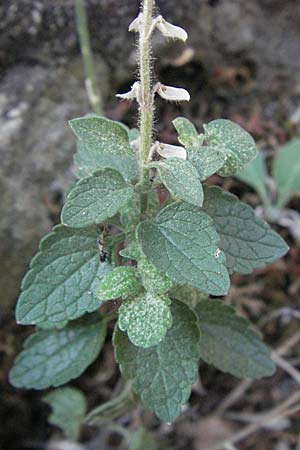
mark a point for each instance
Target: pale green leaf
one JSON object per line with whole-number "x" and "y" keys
{"x": 122, "y": 282}
{"x": 207, "y": 160}
{"x": 183, "y": 243}
{"x": 143, "y": 440}
{"x": 181, "y": 178}
{"x": 103, "y": 143}
{"x": 255, "y": 174}
{"x": 52, "y": 358}
{"x": 132, "y": 251}
{"x": 229, "y": 344}
{"x": 286, "y": 171}
{"x": 237, "y": 143}
{"x": 96, "y": 198}
{"x": 187, "y": 133}
{"x": 162, "y": 376}
{"x": 146, "y": 319}
{"x": 247, "y": 241}
{"x": 62, "y": 279}
{"x": 68, "y": 410}
{"x": 153, "y": 280}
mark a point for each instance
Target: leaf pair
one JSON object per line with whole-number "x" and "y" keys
{"x": 228, "y": 147}
{"x": 162, "y": 375}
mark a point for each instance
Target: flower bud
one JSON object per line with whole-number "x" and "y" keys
{"x": 170, "y": 30}
{"x": 171, "y": 151}
{"x": 172, "y": 94}
{"x": 133, "y": 94}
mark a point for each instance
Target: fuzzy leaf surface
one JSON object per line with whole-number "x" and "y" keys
{"x": 62, "y": 279}
{"x": 229, "y": 344}
{"x": 237, "y": 143}
{"x": 255, "y": 174}
{"x": 187, "y": 133}
{"x": 207, "y": 160}
{"x": 286, "y": 171}
{"x": 95, "y": 199}
{"x": 68, "y": 410}
{"x": 183, "y": 243}
{"x": 121, "y": 282}
{"x": 247, "y": 241}
{"x": 162, "y": 375}
{"x": 52, "y": 358}
{"x": 153, "y": 280}
{"x": 103, "y": 144}
{"x": 181, "y": 178}
{"x": 146, "y": 319}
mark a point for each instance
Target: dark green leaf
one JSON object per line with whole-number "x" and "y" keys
{"x": 237, "y": 143}
{"x": 103, "y": 143}
{"x": 64, "y": 275}
{"x": 207, "y": 160}
{"x": 162, "y": 376}
{"x": 181, "y": 178}
{"x": 52, "y": 358}
{"x": 247, "y": 241}
{"x": 96, "y": 198}
{"x": 229, "y": 344}
{"x": 182, "y": 242}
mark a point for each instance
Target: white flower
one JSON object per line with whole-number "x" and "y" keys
{"x": 172, "y": 94}
{"x": 170, "y": 30}
{"x": 170, "y": 151}
{"x": 133, "y": 94}
{"x": 135, "y": 24}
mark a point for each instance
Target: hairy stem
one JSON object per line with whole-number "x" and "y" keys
{"x": 146, "y": 97}
{"x": 87, "y": 56}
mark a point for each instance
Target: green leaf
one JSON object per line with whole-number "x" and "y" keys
{"x": 103, "y": 144}
{"x": 143, "y": 440}
{"x": 227, "y": 342}
{"x": 146, "y": 319}
{"x": 162, "y": 376}
{"x": 182, "y": 242}
{"x": 237, "y": 143}
{"x": 187, "y": 133}
{"x": 247, "y": 241}
{"x": 181, "y": 179}
{"x": 207, "y": 160}
{"x": 286, "y": 171}
{"x": 122, "y": 282}
{"x": 153, "y": 280}
{"x": 132, "y": 251}
{"x": 69, "y": 408}
{"x": 95, "y": 199}
{"x": 62, "y": 279}
{"x": 255, "y": 174}
{"x": 52, "y": 358}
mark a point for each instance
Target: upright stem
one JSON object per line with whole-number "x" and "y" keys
{"x": 146, "y": 97}
{"x": 87, "y": 56}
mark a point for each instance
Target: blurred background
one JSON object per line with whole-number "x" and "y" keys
{"x": 242, "y": 62}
